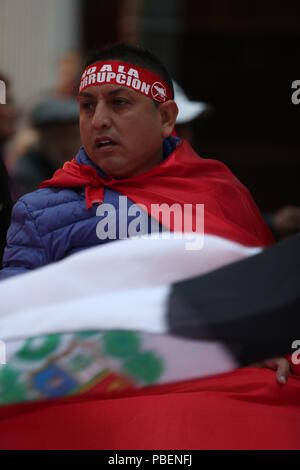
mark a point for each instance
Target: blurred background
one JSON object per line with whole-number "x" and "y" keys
{"x": 239, "y": 57}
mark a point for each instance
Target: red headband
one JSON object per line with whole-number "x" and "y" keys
{"x": 132, "y": 76}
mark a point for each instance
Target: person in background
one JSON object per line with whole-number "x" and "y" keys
{"x": 188, "y": 112}
{"x": 57, "y": 128}
{"x": 8, "y": 122}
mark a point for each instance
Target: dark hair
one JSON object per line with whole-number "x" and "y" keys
{"x": 133, "y": 54}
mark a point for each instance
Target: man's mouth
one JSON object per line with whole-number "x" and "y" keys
{"x": 102, "y": 142}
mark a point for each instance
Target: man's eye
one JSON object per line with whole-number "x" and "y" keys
{"x": 87, "y": 106}
{"x": 120, "y": 102}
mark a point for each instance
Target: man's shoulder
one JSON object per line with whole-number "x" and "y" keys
{"x": 44, "y": 198}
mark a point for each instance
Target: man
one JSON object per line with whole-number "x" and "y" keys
{"x": 127, "y": 116}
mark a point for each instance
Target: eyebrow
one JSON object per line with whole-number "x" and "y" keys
{"x": 117, "y": 90}
{"x": 84, "y": 94}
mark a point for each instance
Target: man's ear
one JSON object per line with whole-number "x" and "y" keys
{"x": 168, "y": 112}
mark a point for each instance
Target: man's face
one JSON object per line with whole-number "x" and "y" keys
{"x": 121, "y": 130}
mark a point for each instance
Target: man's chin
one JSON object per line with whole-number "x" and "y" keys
{"x": 112, "y": 165}
{"x": 101, "y": 157}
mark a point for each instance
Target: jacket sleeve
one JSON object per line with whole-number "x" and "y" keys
{"x": 24, "y": 249}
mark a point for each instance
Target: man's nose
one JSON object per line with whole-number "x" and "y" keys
{"x": 102, "y": 117}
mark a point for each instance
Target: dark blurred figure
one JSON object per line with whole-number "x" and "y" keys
{"x": 8, "y": 120}
{"x": 5, "y": 203}
{"x": 57, "y": 125}
{"x": 189, "y": 111}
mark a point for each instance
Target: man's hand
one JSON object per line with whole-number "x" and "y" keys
{"x": 280, "y": 364}
{"x": 286, "y": 221}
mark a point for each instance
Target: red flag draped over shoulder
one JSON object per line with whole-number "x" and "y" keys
{"x": 183, "y": 178}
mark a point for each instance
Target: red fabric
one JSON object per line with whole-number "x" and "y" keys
{"x": 245, "y": 409}
{"x": 114, "y": 72}
{"x": 184, "y": 178}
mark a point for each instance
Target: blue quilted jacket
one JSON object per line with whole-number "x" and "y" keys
{"x": 53, "y": 223}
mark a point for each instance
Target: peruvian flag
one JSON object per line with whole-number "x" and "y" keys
{"x": 96, "y": 360}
